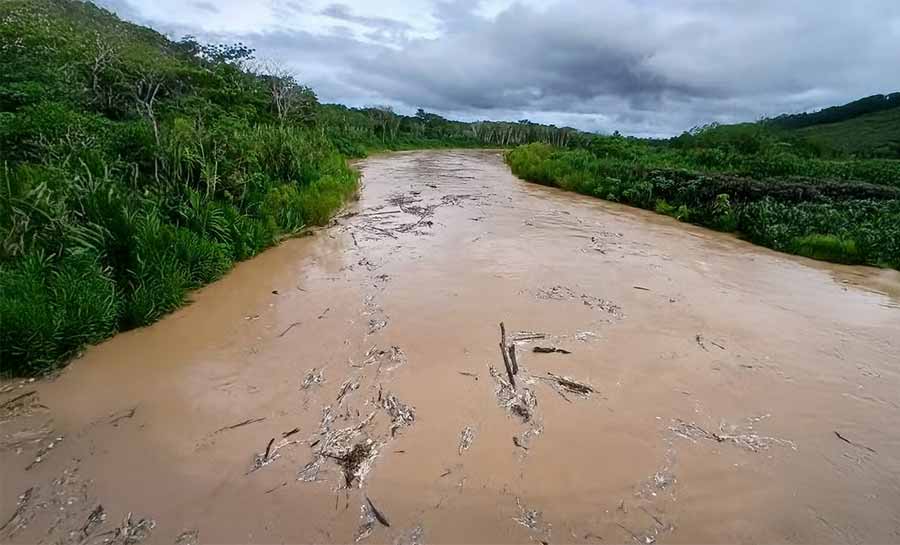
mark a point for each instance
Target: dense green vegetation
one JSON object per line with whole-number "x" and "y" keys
{"x": 871, "y": 135}
{"x": 777, "y": 192}
{"x": 134, "y": 169}
{"x": 837, "y": 114}
{"x": 865, "y": 128}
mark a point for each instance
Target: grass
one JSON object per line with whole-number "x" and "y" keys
{"x": 875, "y": 134}
{"x": 826, "y": 248}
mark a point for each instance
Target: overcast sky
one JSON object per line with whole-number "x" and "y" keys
{"x": 643, "y": 67}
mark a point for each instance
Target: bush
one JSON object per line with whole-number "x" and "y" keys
{"x": 826, "y": 247}
{"x": 50, "y": 310}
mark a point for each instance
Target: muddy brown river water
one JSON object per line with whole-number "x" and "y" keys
{"x": 717, "y": 392}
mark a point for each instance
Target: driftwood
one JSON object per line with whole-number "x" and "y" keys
{"x": 505, "y": 353}
{"x": 379, "y": 516}
{"x": 572, "y": 385}
{"x": 858, "y": 445}
{"x": 11, "y": 403}
{"x": 283, "y": 333}
{"x": 549, "y": 350}
{"x": 239, "y": 424}
{"x": 512, "y": 359}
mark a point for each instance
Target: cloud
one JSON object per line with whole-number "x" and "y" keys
{"x": 645, "y": 67}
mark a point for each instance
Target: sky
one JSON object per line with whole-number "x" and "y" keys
{"x": 650, "y": 68}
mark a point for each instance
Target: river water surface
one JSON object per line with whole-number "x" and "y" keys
{"x": 719, "y": 392}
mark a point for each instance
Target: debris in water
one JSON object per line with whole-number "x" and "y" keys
{"x": 519, "y": 443}
{"x": 188, "y": 537}
{"x": 465, "y": 439}
{"x": 562, "y": 293}
{"x": 699, "y": 339}
{"x": 533, "y": 520}
{"x": 524, "y": 404}
{"x": 387, "y": 360}
{"x": 239, "y": 424}
{"x": 270, "y": 454}
{"x": 314, "y": 377}
{"x": 131, "y": 531}
{"x": 641, "y": 288}
{"x": 528, "y": 336}
{"x": 357, "y": 462}
{"x": 505, "y": 353}
{"x": 378, "y": 514}
{"x": 290, "y": 327}
{"x": 94, "y": 519}
{"x": 20, "y": 517}
{"x": 401, "y": 414}
{"x": 468, "y": 374}
{"x": 18, "y": 405}
{"x": 529, "y": 518}
{"x": 519, "y": 403}
{"x": 549, "y": 350}
{"x": 346, "y": 388}
{"x": 524, "y": 441}
{"x": 747, "y": 439}
{"x": 858, "y": 445}
{"x": 310, "y": 471}
{"x": 375, "y": 325}
{"x": 42, "y": 452}
{"x": 571, "y": 385}
{"x": 368, "y": 522}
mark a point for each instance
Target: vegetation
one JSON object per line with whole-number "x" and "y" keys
{"x": 134, "y": 169}
{"x": 357, "y": 131}
{"x": 837, "y": 114}
{"x": 777, "y": 192}
{"x": 871, "y": 135}
{"x": 868, "y": 127}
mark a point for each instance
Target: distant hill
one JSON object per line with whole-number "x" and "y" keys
{"x": 836, "y": 114}
{"x": 868, "y": 127}
{"x": 875, "y": 134}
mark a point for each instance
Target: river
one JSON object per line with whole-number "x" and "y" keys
{"x": 716, "y": 392}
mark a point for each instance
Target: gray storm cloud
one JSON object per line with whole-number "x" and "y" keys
{"x": 644, "y": 67}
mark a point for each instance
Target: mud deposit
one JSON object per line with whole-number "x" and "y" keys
{"x": 351, "y": 386}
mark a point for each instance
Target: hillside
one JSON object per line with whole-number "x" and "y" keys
{"x": 836, "y": 114}
{"x": 875, "y": 134}
{"x": 868, "y": 127}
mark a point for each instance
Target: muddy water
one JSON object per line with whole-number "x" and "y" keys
{"x": 720, "y": 373}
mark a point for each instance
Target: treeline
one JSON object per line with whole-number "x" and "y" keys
{"x": 739, "y": 179}
{"x": 134, "y": 168}
{"x": 356, "y": 131}
{"x": 836, "y": 114}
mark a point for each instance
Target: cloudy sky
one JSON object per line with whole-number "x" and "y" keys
{"x": 643, "y": 67}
